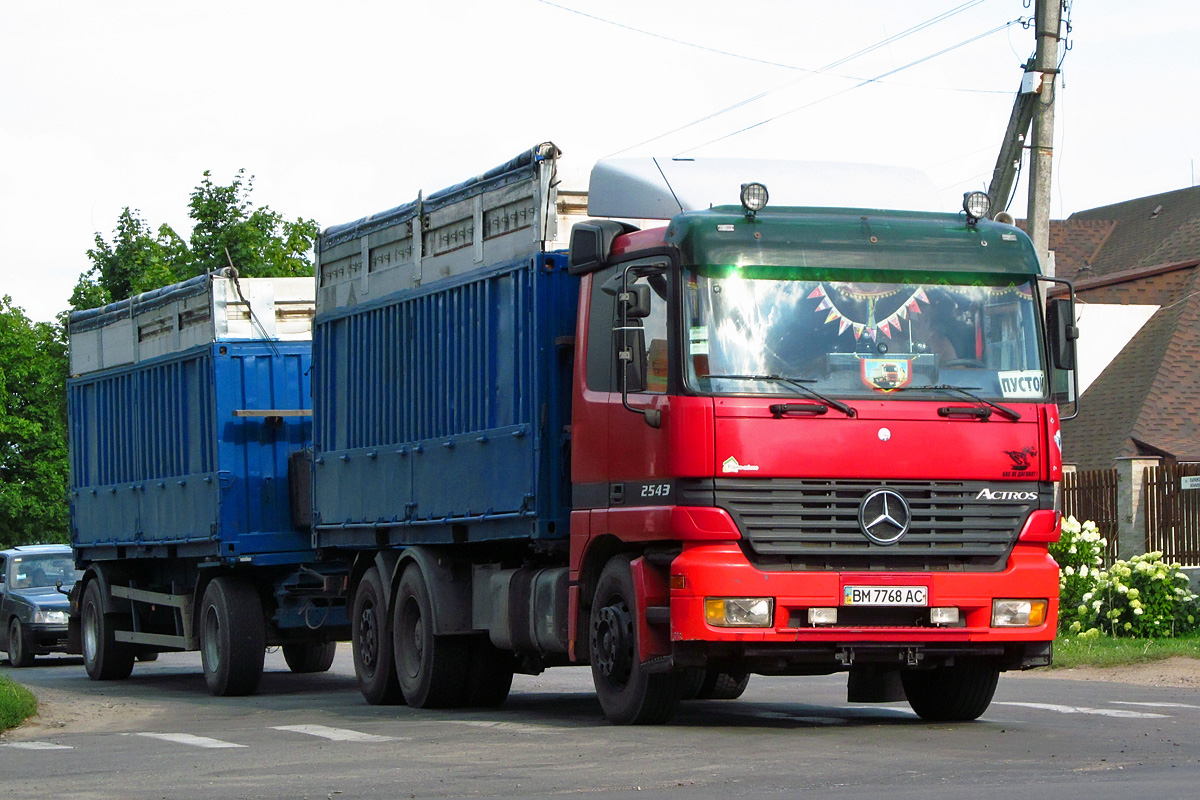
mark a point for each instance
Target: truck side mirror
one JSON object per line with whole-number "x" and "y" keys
{"x": 1060, "y": 320}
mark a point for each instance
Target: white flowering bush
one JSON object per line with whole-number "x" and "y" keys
{"x": 1080, "y": 557}
{"x": 1143, "y": 597}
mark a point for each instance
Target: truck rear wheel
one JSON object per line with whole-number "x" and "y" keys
{"x": 491, "y": 674}
{"x": 371, "y": 641}
{"x": 628, "y": 693}
{"x": 432, "y": 669}
{"x": 950, "y": 694}
{"x": 232, "y": 637}
{"x": 104, "y": 658}
{"x": 306, "y": 657}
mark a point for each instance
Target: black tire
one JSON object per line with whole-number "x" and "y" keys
{"x": 432, "y": 669}
{"x": 950, "y": 694}
{"x": 19, "y": 652}
{"x": 628, "y": 693}
{"x": 232, "y": 637}
{"x": 711, "y": 684}
{"x": 371, "y": 641}
{"x": 104, "y": 658}
{"x": 490, "y": 676}
{"x": 306, "y": 657}
{"x": 147, "y": 655}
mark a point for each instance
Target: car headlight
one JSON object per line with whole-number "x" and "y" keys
{"x": 47, "y": 616}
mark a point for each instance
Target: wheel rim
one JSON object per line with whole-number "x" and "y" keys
{"x": 212, "y": 630}
{"x": 612, "y": 642}
{"x": 368, "y": 638}
{"x": 91, "y": 634}
{"x": 414, "y": 638}
{"x": 14, "y": 642}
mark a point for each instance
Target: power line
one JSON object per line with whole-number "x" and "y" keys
{"x": 859, "y": 85}
{"x": 825, "y": 70}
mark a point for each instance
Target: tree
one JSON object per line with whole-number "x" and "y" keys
{"x": 135, "y": 262}
{"x": 227, "y": 229}
{"x": 33, "y": 429}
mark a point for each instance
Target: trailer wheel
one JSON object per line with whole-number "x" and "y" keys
{"x": 711, "y": 684}
{"x": 232, "y": 637}
{"x": 628, "y": 693}
{"x": 950, "y": 694}
{"x": 19, "y": 652}
{"x": 306, "y": 657}
{"x": 371, "y": 641}
{"x": 104, "y": 658}
{"x": 432, "y": 669}
{"x": 491, "y": 674}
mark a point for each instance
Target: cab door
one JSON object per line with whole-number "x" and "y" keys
{"x": 628, "y": 366}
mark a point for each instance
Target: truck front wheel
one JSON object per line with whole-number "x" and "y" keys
{"x": 432, "y": 669}
{"x": 104, "y": 658}
{"x": 306, "y": 657}
{"x": 372, "y": 643}
{"x": 232, "y": 637}
{"x": 950, "y": 694}
{"x": 629, "y": 695}
{"x": 712, "y": 684}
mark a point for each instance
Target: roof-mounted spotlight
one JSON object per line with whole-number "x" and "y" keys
{"x": 754, "y": 198}
{"x": 977, "y": 205}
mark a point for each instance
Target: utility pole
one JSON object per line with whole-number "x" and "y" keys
{"x": 1048, "y": 17}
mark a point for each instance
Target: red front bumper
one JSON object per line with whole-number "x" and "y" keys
{"x": 721, "y": 569}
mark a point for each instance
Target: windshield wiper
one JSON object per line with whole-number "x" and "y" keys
{"x": 1012, "y": 414}
{"x": 798, "y": 383}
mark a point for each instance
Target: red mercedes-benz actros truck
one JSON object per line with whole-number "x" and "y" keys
{"x": 769, "y": 433}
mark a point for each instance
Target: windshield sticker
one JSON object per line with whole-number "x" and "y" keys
{"x": 699, "y": 340}
{"x": 731, "y": 465}
{"x": 886, "y": 374}
{"x": 1022, "y": 383}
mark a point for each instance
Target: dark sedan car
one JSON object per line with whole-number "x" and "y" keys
{"x": 33, "y": 613}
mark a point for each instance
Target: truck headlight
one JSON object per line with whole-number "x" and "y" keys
{"x": 739, "y": 612}
{"x": 1018, "y": 613}
{"x": 50, "y": 617}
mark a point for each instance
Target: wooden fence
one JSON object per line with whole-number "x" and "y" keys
{"x": 1093, "y": 496}
{"x": 1173, "y": 512}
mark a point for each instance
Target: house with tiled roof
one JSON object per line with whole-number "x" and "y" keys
{"x": 1134, "y": 265}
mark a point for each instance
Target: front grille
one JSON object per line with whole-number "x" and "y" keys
{"x": 797, "y": 524}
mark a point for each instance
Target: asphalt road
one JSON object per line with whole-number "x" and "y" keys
{"x": 160, "y": 735}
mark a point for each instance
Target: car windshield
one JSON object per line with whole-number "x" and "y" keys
{"x": 750, "y": 327}
{"x": 36, "y": 572}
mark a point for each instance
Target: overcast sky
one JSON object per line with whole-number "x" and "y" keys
{"x": 340, "y": 110}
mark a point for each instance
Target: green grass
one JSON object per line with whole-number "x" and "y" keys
{"x": 1106, "y": 651}
{"x": 16, "y": 704}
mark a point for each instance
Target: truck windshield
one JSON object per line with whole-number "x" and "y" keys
{"x": 858, "y": 336}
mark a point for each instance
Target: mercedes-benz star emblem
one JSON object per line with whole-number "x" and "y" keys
{"x": 883, "y": 516}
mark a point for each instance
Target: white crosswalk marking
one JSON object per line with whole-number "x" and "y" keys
{"x": 1099, "y": 712}
{"x": 36, "y": 746}
{"x": 335, "y": 734}
{"x": 506, "y": 727}
{"x": 189, "y": 739}
{"x": 1153, "y": 705}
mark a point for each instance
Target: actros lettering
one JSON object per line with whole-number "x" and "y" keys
{"x": 988, "y": 494}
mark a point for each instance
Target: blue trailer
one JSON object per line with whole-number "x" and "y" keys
{"x": 442, "y": 370}
{"x": 185, "y": 405}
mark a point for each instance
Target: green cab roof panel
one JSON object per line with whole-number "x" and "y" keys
{"x": 859, "y": 239}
